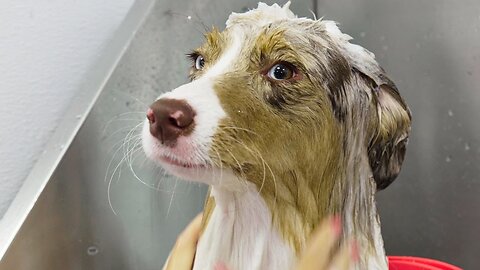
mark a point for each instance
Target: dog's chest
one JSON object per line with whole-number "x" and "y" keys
{"x": 240, "y": 235}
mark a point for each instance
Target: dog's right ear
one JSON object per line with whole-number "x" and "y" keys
{"x": 390, "y": 134}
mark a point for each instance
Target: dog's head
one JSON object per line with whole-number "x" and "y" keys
{"x": 275, "y": 95}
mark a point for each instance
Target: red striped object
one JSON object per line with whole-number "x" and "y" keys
{"x": 416, "y": 263}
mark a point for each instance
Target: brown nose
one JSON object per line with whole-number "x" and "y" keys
{"x": 170, "y": 118}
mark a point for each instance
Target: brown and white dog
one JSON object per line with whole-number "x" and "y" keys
{"x": 288, "y": 122}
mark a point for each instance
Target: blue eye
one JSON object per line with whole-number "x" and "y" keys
{"x": 199, "y": 62}
{"x": 281, "y": 71}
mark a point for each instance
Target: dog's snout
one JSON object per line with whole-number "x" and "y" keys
{"x": 169, "y": 119}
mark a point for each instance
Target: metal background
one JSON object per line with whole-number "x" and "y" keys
{"x": 431, "y": 50}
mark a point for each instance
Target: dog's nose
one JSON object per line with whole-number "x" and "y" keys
{"x": 170, "y": 118}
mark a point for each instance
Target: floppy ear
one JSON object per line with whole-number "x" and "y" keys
{"x": 389, "y": 127}
{"x": 391, "y": 130}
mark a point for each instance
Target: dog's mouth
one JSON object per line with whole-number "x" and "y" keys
{"x": 175, "y": 162}
{"x": 185, "y": 169}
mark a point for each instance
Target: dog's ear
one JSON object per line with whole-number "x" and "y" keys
{"x": 391, "y": 128}
{"x": 390, "y": 125}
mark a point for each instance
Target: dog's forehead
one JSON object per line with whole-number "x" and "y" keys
{"x": 242, "y": 28}
{"x": 262, "y": 15}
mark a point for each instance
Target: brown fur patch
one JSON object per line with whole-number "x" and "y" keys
{"x": 211, "y": 50}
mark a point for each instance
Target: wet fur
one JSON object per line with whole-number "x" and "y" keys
{"x": 320, "y": 145}
{"x": 314, "y": 135}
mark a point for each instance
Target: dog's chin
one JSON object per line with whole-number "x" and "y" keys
{"x": 189, "y": 171}
{"x": 198, "y": 172}
{"x": 181, "y": 167}
{"x": 202, "y": 173}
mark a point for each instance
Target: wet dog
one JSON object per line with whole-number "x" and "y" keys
{"x": 288, "y": 122}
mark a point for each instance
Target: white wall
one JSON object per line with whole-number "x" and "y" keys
{"x": 46, "y": 47}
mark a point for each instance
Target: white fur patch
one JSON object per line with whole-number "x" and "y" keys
{"x": 227, "y": 60}
{"x": 240, "y": 234}
{"x": 200, "y": 95}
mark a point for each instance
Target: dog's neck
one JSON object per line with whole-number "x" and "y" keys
{"x": 240, "y": 233}
{"x": 253, "y": 230}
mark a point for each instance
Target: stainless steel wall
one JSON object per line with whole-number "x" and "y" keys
{"x": 431, "y": 49}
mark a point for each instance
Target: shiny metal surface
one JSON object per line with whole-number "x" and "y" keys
{"x": 432, "y": 51}
{"x": 83, "y": 206}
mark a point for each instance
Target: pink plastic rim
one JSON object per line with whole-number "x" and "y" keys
{"x": 409, "y": 263}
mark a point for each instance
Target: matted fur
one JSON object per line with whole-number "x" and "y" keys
{"x": 318, "y": 145}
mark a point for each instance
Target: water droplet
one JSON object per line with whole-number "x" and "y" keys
{"x": 78, "y": 116}
{"x": 92, "y": 250}
{"x": 189, "y": 17}
{"x": 417, "y": 45}
{"x": 363, "y": 34}
{"x": 450, "y": 113}
{"x": 448, "y": 159}
{"x": 61, "y": 146}
{"x": 467, "y": 147}
{"x": 382, "y": 38}
{"x": 385, "y": 47}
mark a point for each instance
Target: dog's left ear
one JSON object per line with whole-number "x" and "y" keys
{"x": 389, "y": 125}
{"x": 391, "y": 129}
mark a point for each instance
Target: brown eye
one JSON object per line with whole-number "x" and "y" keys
{"x": 281, "y": 71}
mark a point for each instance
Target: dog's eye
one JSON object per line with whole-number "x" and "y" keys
{"x": 199, "y": 62}
{"x": 281, "y": 71}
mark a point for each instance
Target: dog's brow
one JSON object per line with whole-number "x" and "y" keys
{"x": 272, "y": 41}
{"x": 213, "y": 37}
{"x": 233, "y": 48}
